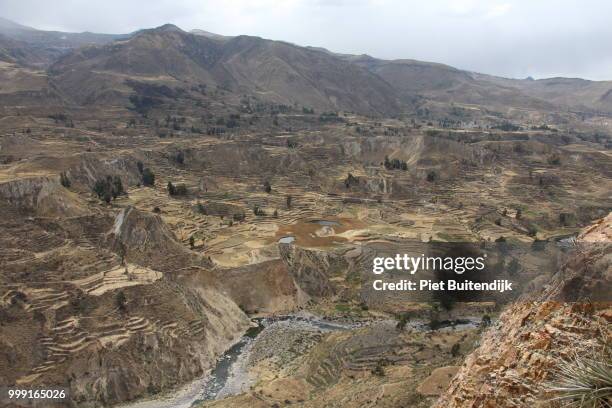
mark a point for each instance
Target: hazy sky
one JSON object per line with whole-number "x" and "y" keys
{"x": 514, "y": 38}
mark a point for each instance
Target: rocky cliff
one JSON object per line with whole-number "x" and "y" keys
{"x": 519, "y": 354}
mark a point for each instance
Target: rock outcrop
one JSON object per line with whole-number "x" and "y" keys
{"x": 43, "y": 196}
{"x": 519, "y": 354}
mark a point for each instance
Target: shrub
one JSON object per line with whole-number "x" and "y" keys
{"x": 583, "y": 382}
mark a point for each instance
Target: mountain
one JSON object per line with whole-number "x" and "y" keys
{"x": 209, "y": 34}
{"x": 19, "y": 52}
{"x": 57, "y": 39}
{"x": 278, "y": 72}
{"x": 38, "y": 48}
{"x": 571, "y": 93}
{"x": 91, "y": 68}
{"x": 448, "y": 84}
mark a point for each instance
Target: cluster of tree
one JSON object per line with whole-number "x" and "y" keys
{"x": 395, "y": 164}
{"x": 239, "y": 216}
{"x": 62, "y": 118}
{"x": 233, "y": 121}
{"x": 258, "y": 211}
{"x": 506, "y": 127}
{"x": 308, "y": 111}
{"x": 215, "y": 131}
{"x": 330, "y": 117}
{"x": 566, "y": 219}
{"x": 449, "y": 123}
{"x": 175, "y": 122}
{"x": 543, "y": 127}
{"x": 143, "y": 104}
{"x": 379, "y": 369}
{"x": 178, "y": 190}
{"x": 108, "y": 188}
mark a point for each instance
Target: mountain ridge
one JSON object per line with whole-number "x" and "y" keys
{"x": 282, "y": 72}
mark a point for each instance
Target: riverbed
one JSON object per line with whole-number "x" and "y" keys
{"x": 231, "y": 376}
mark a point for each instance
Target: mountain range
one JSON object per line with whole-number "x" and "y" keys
{"x": 88, "y": 68}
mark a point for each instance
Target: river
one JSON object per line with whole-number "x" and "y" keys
{"x": 230, "y": 376}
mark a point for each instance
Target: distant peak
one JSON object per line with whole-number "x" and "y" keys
{"x": 208, "y": 34}
{"x": 7, "y": 24}
{"x": 168, "y": 28}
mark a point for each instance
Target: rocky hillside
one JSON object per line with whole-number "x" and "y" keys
{"x": 279, "y": 72}
{"x": 447, "y": 84}
{"x": 518, "y": 356}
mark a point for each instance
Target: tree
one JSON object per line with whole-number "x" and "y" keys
{"x": 148, "y": 178}
{"x": 108, "y": 188}
{"x": 140, "y": 167}
{"x": 171, "y": 188}
{"x": 180, "y": 157}
{"x": 554, "y": 159}
{"x": 379, "y": 369}
{"x": 351, "y": 181}
{"x": 275, "y": 213}
{"x": 181, "y": 190}
{"x": 201, "y": 209}
{"x": 258, "y": 211}
{"x": 432, "y": 176}
{"x": 455, "y": 350}
{"x": 121, "y": 301}
{"x": 64, "y": 180}
{"x": 402, "y": 320}
{"x": 267, "y": 187}
{"x": 192, "y": 242}
{"x": 117, "y": 187}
